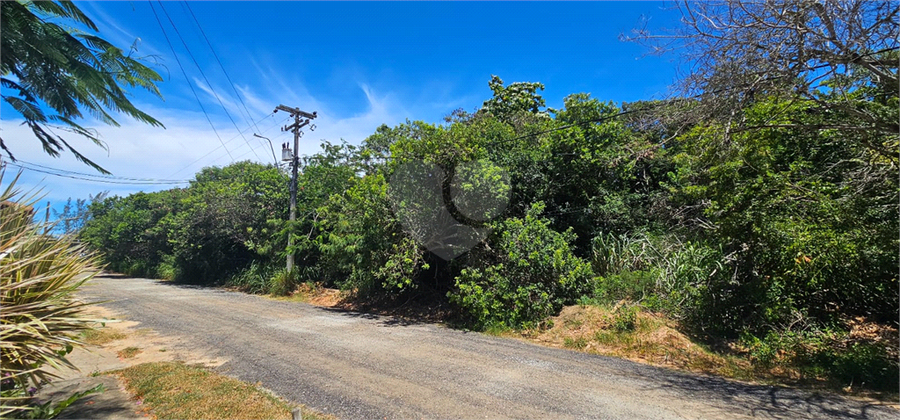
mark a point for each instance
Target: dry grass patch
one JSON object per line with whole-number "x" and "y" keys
{"x": 315, "y": 294}
{"x": 623, "y": 331}
{"x": 128, "y": 352}
{"x": 101, "y": 336}
{"x": 172, "y": 390}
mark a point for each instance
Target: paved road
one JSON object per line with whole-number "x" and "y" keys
{"x": 363, "y": 366}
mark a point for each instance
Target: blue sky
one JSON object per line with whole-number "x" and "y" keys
{"x": 358, "y": 65}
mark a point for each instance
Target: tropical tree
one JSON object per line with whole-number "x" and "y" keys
{"x": 52, "y": 72}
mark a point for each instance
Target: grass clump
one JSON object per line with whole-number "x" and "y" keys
{"x": 254, "y": 279}
{"x": 173, "y": 390}
{"x": 259, "y": 278}
{"x": 283, "y": 282}
{"x": 101, "y": 336}
{"x": 128, "y": 352}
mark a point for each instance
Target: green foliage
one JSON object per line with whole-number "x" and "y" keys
{"x": 41, "y": 321}
{"x": 361, "y": 229}
{"x": 529, "y": 277}
{"x": 509, "y": 102}
{"x": 826, "y": 354}
{"x": 283, "y": 282}
{"x": 48, "y": 65}
{"x": 51, "y": 409}
{"x": 661, "y": 272}
{"x": 255, "y": 279}
{"x": 200, "y": 234}
{"x": 810, "y": 217}
{"x": 625, "y": 318}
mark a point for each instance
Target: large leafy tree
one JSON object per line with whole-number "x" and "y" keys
{"x": 52, "y": 73}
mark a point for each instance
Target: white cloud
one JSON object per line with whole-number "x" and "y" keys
{"x": 188, "y": 144}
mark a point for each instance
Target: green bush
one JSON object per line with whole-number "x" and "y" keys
{"x": 625, "y": 318}
{"x": 528, "y": 274}
{"x": 825, "y": 354}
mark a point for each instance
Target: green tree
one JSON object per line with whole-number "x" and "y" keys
{"x": 841, "y": 57}
{"x": 47, "y": 64}
{"x": 810, "y": 217}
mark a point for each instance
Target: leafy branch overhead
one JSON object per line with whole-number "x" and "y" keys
{"x": 52, "y": 73}
{"x": 840, "y": 55}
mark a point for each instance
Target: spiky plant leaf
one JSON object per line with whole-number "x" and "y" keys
{"x": 41, "y": 320}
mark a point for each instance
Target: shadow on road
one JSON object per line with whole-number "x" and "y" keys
{"x": 766, "y": 401}
{"x": 382, "y": 320}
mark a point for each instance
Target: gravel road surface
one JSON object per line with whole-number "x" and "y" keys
{"x": 357, "y": 366}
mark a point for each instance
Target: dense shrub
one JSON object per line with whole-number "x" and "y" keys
{"x": 527, "y": 274}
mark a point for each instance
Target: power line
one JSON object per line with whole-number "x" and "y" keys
{"x": 211, "y": 88}
{"x": 263, "y": 145}
{"x": 191, "y": 85}
{"x": 109, "y": 177}
{"x": 233, "y": 87}
{"x": 229, "y": 141}
{"x": 119, "y": 181}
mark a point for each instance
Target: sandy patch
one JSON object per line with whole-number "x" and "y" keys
{"x": 138, "y": 345}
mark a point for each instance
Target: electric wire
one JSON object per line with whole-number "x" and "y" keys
{"x": 233, "y": 87}
{"x": 183, "y": 72}
{"x": 99, "y": 180}
{"x": 229, "y": 141}
{"x": 276, "y": 138}
{"x": 109, "y": 177}
{"x": 211, "y": 88}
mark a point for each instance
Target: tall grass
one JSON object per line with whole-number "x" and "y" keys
{"x": 40, "y": 320}
{"x": 254, "y": 279}
{"x": 662, "y": 271}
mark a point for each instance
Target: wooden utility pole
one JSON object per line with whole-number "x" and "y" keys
{"x": 298, "y": 115}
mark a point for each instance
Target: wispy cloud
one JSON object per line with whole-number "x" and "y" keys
{"x": 111, "y": 30}
{"x": 189, "y": 144}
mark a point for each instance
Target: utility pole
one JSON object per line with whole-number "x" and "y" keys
{"x": 298, "y": 115}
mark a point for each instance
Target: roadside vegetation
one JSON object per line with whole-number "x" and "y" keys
{"x": 754, "y": 216}
{"x": 41, "y": 321}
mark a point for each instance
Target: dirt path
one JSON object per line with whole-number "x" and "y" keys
{"x": 364, "y": 366}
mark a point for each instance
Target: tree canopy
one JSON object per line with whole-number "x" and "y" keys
{"x": 52, "y": 73}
